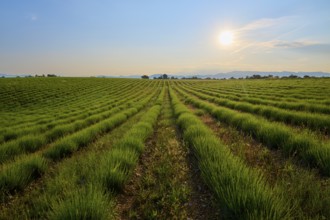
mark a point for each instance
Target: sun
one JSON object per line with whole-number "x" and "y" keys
{"x": 226, "y": 38}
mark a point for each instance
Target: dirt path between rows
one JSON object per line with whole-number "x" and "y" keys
{"x": 303, "y": 188}
{"x": 166, "y": 184}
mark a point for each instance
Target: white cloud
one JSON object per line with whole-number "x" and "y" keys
{"x": 270, "y": 33}
{"x": 265, "y": 23}
{"x": 288, "y": 44}
{"x": 32, "y": 17}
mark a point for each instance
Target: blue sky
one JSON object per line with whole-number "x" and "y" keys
{"x": 98, "y": 37}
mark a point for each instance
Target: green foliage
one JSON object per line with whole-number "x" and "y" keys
{"x": 42, "y": 119}
{"x": 71, "y": 143}
{"x": 107, "y": 172}
{"x": 31, "y": 143}
{"x": 85, "y": 204}
{"x": 11, "y": 178}
{"x": 272, "y": 134}
{"x": 17, "y": 176}
{"x": 164, "y": 188}
{"x": 59, "y": 131}
{"x": 26, "y": 144}
{"x": 310, "y": 120}
{"x": 199, "y": 112}
{"x": 307, "y": 194}
{"x": 241, "y": 192}
{"x": 61, "y": 149}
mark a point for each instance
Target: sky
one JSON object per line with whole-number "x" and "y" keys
{"x": 135, "y": 37}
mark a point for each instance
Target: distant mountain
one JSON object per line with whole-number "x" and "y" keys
{"x": 155, "y": 76}
{"x": 132, "y": 76}
{"x": 103, "y": 76}
{"x": 243, "y": 74}
{"x": 238, "y": 74}
{"x": 235, "y": 74}
{"x": 170, "y": 75}
{"x": 4, "y": 75}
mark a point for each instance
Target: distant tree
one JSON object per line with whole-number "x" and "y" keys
{"x": 172, "y": 77}
{"x": 306, "y": 76}
{"x": 293, "y": 76}
{"x": 51, "y": 75}
{"x": 145, "y": 77}
{"x": 257, "y": 76}
{"x": 165, "y": 76}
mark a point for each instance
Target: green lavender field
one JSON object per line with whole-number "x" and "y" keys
{"x": 92, "y": 148}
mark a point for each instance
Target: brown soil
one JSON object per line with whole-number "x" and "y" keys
{"x": 252, "y": 152}
{"x": 200, "y": 202}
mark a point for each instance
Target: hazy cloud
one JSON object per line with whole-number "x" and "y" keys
{"x": 303, "y": 46}
{"x": 299, "y": 46}
{"x": 32, "y": 17}
{"x": 292, "y": 44}
{"x": 249, "y": 34}
{"x": 316, "y": 48}
{"x": 287, "y": 44}
{"x": 265, "y": 23}
{"x": 275, "y": 32}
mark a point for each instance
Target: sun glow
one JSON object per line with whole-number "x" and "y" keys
{"x": 226, "y": 38}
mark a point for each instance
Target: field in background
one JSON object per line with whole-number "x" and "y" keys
{"x": 90, "y": 148}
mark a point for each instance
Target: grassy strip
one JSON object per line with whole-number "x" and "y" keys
{"x": 105, "y": 174}
{"x": 60, "y": 179}
{"x": 313, "y": 121}
{"x": 62, "y": 148}
{"x": 87, "y": 115}
{"x": 256, "y": 99}
{"x": 69, "y": 144}
{"x": 272, "y": 134}
{"x": 17, "y": 176}
{"x": 303, "y": 188}
{"x": 31, "y": 143}
{"x": 31, "y": 94}
{"x": 39, "y": 115}
{"x": 242, "y": 193}
{"x": 37, "y": 128}
{"x": 104, "y": 104}
{"x": 162, "y": 187}
{"x": 274, "y": 89}
{"x": 97, "y": 101}
{"x": 289, "y": 90}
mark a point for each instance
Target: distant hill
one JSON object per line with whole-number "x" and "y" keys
{"x": 235, "y": 74}
{"x": 243, "y": 74}
{"x": 238, "y": 74}
{"x": 4, "y": 75}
